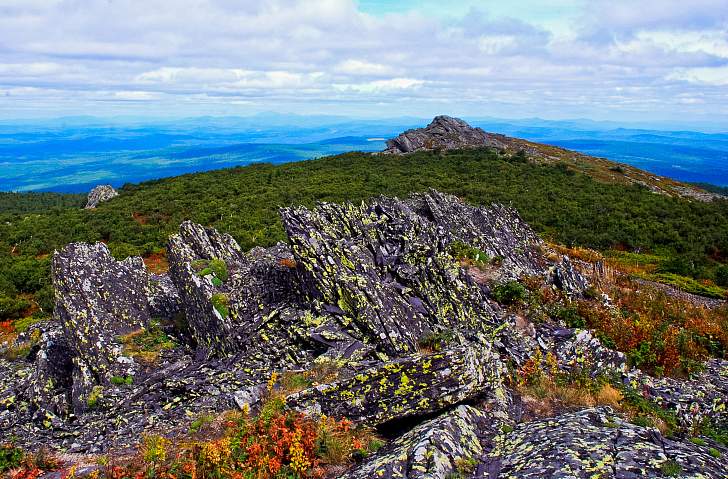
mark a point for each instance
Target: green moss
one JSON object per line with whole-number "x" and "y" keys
{"x": 122, "y": 380}
{"x": 670, "y": 468}
{"x": 216, "y": 267}
{"x": 697, "y": 441}
{"x": 94, "y": 396}
{"x": 714, "y": 452}
{"x": 221, "y": 304}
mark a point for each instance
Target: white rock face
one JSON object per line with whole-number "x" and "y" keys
{"x": 100, "y": 194}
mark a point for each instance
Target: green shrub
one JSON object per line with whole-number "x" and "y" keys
{"x": 510, "y": 292}
{"x": 721, "y": 275}
{"x": 12, "y": 308}
{"x": 10, "y": 457}
{"x": 570, "y": 316}
{"x": 466, "y": 252}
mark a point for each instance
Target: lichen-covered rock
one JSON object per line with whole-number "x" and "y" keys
{"x": 496, "y": 230}
{"x": 189, "y": 253}
{"x": 164, "y": 300}
{"x": 579, "y": 352}
{"x": 385, "y": 274}
{"x": 597, "y": 443}
{"x": 98, "y": 299}
{"x": 444, "y": 133}
{"x": 704, "y": 396}
{"x": 568, "y": 279}
{"x": 100, "y": 194}
{"x": 433, "y": 449}
{"x": 412, "y": 386}
{"x": 238, "y": 302}
{"x": 49, "y": 386}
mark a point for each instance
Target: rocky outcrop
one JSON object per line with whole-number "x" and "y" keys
{"x": 237, "y": 302}
{"x": 444, "y": 133}
{"x": 100, "y": 194}
{"x": 380, "y": 291}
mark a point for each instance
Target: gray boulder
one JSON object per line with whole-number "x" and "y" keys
{"x": 597, "y": 443}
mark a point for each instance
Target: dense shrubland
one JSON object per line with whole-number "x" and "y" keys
{"x": 688, "y": 238}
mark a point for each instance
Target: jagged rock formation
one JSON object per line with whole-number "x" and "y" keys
{"x": 99, "y": 299}
{"x": 375, "y": 288}
{"x": 444, "y": 133}
{"x": 100, "y": 194}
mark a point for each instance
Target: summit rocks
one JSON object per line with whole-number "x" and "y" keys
{"x": 444, "y": 133}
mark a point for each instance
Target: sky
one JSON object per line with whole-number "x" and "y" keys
{"x": 620, "y": 60}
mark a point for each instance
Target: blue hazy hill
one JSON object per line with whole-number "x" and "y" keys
{"x": 75, "y": 153}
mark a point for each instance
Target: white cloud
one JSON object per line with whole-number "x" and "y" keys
{"x": 364, "y": 68}
{"x": 303, "y": 53}
{"x": 716, "y": 76}
{"x": 376, "y": 86}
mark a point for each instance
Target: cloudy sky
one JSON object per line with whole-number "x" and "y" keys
{"x": 601, "y": 59}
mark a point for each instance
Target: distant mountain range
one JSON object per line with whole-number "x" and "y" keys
{"x": 73, "y": 154}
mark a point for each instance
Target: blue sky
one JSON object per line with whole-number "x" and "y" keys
{"x": 602, "y": 59}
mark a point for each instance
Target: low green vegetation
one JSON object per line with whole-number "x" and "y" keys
{"x": 11, "y": 457}
{"x": 435, "y": 341}
{"x": 96, "y": 394}
{"x": 221, "y": 303}
{"x": 510, "y": 292}
{"x": 670, "y": 468}
{"x": 146, "y": 344}
{"x": 122, "y": 380}
{"x": 470, "y": 254}
{"x": 565, "y": 207}
{"x": 215, "y": 267}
